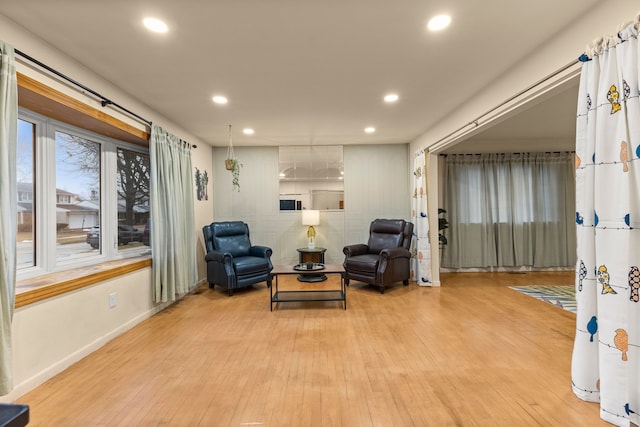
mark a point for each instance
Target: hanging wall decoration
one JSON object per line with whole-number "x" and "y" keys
{"x": 202, "y": 179}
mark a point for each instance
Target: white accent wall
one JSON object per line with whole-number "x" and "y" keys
{"x": 376, "y": 185}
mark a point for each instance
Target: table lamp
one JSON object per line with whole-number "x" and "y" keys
{"x": 311, "y": 218}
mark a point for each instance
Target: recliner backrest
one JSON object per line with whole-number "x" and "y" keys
{"x": 230, "y": 236}
{"x": 387, "y": 233}
{"x": 408, "y": 235}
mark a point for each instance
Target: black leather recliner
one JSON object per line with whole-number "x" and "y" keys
{"x": 385, "y": 259}
{"x": 232, "y": 262}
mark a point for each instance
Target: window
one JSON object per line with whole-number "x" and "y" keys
{"x": 500, "y": 190}
{"x": 26, "y": 207}
{"x": 510, "y": 210}
{"x": 91, "y": 195}
{"x": 77, "y": 194}
{"x": 133, "y": 199}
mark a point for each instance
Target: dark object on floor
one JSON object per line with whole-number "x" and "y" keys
{"x": 13, "y": 415}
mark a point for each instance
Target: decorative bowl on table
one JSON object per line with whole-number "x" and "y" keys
{"x": 309, "y": 266}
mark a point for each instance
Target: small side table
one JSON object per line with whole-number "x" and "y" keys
{"x": 311, "y": 255}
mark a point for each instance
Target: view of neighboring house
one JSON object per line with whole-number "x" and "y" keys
{"x": 71, "y": 212}
{"x": 25, "y": 206}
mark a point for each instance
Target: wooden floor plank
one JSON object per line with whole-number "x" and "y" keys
{"x": 470, "y": 353}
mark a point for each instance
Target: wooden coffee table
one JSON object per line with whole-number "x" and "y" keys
{"x": 310, "y": 291}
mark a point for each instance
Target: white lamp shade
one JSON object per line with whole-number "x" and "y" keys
{"x": 310, "y": 217}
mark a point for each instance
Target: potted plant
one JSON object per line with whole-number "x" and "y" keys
{"x": 443, "y": 224}
{"x": 232, "y": 164}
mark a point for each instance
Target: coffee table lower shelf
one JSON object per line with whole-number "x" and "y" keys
{"x": 308, "y": 295}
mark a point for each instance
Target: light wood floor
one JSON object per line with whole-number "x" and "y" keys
{"x": 470, "y": 353}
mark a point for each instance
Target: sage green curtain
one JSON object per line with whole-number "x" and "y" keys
{"x": 8, "y": 213}
{"x": 172, "y": 216}
{"x": 510, "y": 210}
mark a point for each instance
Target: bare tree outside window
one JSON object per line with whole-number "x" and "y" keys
{"x": 80, "y": 159}
{"x": 133, "y": 183}
{"x": 133, "y": 196}
{"x": 77, "y": 195}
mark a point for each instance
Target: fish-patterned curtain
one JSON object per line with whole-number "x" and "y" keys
{"x": 606, "y": 354}
{"x": 421, "y": 251}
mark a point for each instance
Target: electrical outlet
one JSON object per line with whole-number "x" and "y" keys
{"x": 112, "y": 300}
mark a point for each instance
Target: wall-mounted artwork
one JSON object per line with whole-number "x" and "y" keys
{"x": 202, "y": 179}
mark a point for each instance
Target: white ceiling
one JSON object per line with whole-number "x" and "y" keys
{"x": 547, "y": 124}
{"x": 298, "y": 71}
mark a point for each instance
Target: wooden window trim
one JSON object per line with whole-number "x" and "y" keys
{"x": 47, "y": 286}
{"x": 42, "y": 99}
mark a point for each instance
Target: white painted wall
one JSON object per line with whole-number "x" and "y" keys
{"x": 51, "y": 335}
{"x": 377, "y": 185}
{"x": 202, "y": 158}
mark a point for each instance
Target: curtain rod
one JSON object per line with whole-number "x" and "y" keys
{"x": 502, "y": 154}
{"x": 522, "y": 92}
{"x": 104, "y": 101}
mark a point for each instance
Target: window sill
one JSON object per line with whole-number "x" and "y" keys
{"x": 40, "y": 288}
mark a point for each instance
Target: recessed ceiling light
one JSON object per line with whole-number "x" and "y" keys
{"x": 370, "y": 129}
{"x": 155, "y": 25}
{"x": 219, "y": 99}
{"x": 248, "y": 131}
{"x": 439, "y": 22}
{"x": 391, "y": 97}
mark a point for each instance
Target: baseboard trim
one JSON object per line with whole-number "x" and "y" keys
{"x": 432, "y": 284}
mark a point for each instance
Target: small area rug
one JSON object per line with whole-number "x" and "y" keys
{"x": 560, "y": 296}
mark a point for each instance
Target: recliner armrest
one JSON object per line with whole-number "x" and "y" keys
{"x": 392, "y": 253}
{"x": 354, "y": 250}
{"x": 218, "y": 256}
{"x": 260, "y": 251}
